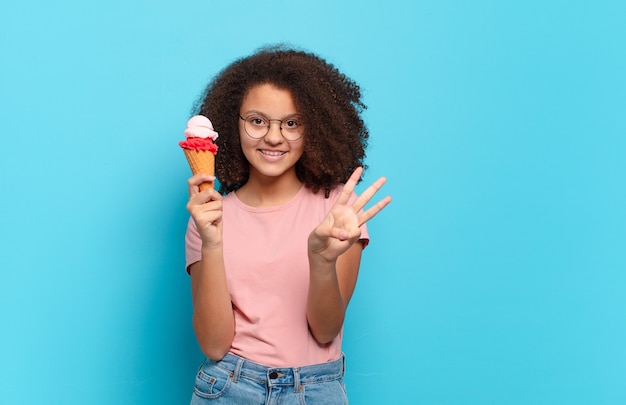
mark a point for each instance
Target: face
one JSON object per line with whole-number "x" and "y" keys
{"x": 271, "y": 155}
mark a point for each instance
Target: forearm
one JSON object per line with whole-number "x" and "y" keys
{"x": 213, "y": 318}
{"x": 325, "y": 307}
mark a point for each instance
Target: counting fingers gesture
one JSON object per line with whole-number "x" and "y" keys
{"x": 340, "y": 228}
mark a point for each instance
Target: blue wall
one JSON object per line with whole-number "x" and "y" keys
{"x": 496, "y": 276}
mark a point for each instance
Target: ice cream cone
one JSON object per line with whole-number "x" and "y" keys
{"x": 201, "y": 161}
{"x": 199, "y": 147}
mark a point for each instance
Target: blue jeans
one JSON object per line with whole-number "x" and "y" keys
{"x": 234, "y": 380}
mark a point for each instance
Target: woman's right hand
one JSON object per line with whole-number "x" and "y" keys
{"x": 205, "y": 208}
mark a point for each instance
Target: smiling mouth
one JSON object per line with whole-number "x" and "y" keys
{"x": 272, "y": 152}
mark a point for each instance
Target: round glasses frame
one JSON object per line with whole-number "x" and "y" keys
{"x": 298, "y": 131}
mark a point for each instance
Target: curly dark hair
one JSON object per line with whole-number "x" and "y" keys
{"x": 330, "y": 103}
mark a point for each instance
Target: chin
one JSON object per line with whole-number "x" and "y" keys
{"x": 275, "y": 170}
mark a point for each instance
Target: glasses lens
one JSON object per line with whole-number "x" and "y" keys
{"x": 256, "y": 126}
{"x": 292, "y": 129}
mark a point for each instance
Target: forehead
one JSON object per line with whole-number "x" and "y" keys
{"x": 269, "y": 99}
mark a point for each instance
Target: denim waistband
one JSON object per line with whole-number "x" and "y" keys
{"x": 285, "y": 376}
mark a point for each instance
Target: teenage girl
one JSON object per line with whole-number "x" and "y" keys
{"x": 274, "y": 255}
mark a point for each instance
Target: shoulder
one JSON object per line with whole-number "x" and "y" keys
{"x": 230, "y": 200}
{"x": 336, "y": 191}
{"x": 321, "y": 197}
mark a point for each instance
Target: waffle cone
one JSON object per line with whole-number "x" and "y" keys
{"x": 201, "y": 161}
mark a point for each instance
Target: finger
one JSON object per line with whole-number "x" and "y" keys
{"x": 203, "y": 197}
{"x": 206, "y": 217}
{"x": 209, "y": 218}
{"x": 367, "y": 195}
{"x": 348, "y": 188}
{"x": 195, "y": 181}
{"x": 213, "y": 217}
{"x": 213, "y": 205}
{"x": 372, "y": 211}
{"x": 344, "y": 234}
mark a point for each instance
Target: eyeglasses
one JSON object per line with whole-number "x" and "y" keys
{"x": 257, "y": 126}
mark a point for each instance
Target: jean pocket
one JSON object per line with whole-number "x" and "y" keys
{"x": 212, "y": 381}
{"x": 331, "y": 392}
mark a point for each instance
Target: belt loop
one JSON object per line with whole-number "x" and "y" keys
{"x": 237, "y": 370}
{"x": 296, "y": 380}
{"x": 343, "y": 358}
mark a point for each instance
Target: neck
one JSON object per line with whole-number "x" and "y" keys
{"x": 263, "y": 191}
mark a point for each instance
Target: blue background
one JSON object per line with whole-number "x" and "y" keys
{"x": 497, "y": 275}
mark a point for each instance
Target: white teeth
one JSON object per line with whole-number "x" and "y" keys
{"x": 272, "y": 153}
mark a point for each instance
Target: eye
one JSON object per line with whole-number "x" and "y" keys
{"x": 257, "y": 121}
{"x": 291, "y": 124}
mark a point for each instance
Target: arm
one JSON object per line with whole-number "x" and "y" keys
{"x": 330, "y": 289}
{"x": 334, "y": 258}
{"x": 213, "y": 318}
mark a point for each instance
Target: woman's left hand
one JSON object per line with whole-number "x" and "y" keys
{"x": 340, "y": 228}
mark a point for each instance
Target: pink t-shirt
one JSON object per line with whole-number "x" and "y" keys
{"x": 267, "y": 268}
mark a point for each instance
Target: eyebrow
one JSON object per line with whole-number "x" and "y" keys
{"x": 250, "y": 112}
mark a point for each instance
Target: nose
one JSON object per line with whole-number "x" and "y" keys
{"x": 274, "y": 134}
